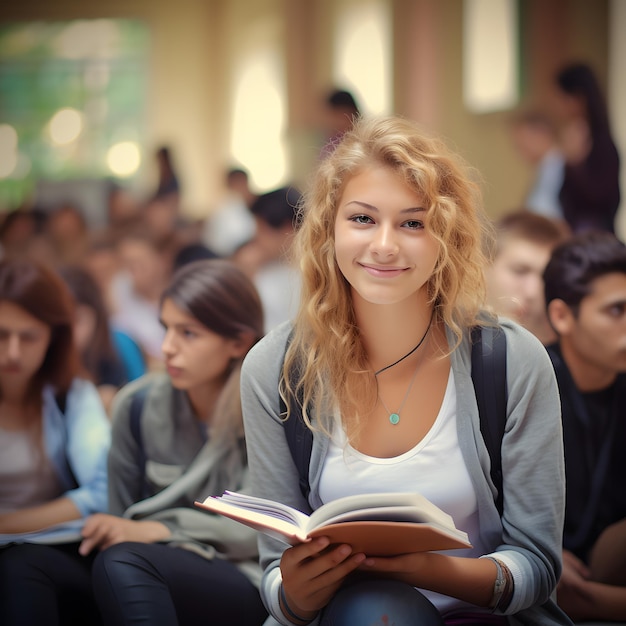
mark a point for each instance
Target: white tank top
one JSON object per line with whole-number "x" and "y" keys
{"x": 27, "y": 477}
{"x": 434, "y": 467}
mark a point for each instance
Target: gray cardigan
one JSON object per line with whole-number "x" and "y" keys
{"x": 527, "y": 538}
{"x": 180, "y": 469}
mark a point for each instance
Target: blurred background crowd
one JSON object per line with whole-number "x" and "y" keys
{"x": 138, "y": 136}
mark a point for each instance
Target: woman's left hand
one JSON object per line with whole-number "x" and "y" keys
{"x": 102, "y": 531}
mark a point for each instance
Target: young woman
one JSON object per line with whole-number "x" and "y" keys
{"x": 390, "y": 250}
{"x": 54, "y": 439}
{"x": 178, "y": 438}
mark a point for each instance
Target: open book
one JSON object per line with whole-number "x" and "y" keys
{"x": 378, "y": 524}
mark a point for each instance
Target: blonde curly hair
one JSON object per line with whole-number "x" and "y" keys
{"x": 326, "y": 364}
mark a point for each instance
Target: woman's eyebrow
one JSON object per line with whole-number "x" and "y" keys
{"x": 371, "y": 207}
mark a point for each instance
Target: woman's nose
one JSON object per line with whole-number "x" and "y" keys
{"x": 13, "y": 347}
{"x": 168, "y": 344}
{"x": 385, "y": 241}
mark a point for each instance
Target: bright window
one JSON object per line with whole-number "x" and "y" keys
{"x": 71, "y": 102}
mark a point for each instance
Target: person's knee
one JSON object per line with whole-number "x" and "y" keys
{"x": 113, "y": 565}
{"x": 380, "y": 602}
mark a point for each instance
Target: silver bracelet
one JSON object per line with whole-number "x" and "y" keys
{"x": 499, "y": 586}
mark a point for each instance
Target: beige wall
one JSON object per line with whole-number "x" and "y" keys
{"x": 194, "y": 43}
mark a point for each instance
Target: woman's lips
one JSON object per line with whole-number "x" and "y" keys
{"x": 381, "y": 271}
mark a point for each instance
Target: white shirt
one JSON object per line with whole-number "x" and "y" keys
{"x": 434, "y": 467}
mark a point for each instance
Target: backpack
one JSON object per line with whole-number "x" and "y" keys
{"x": 489, "y": 379}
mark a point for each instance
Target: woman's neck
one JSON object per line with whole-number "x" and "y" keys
{"x": 204, "y": 398}
{"x": 17, "y": 412}
{"x": 391, "y": 331}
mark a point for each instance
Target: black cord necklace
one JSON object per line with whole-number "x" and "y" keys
{"x": 408, "y": 354}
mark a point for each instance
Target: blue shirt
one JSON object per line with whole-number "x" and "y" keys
{"x": 77, "y": 443}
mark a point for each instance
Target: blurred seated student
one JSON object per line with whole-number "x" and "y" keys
{"x": 340, "y": 111}
{"x": 535, "y": 137}
{"x": 585, "y": 290}
{"x": 146, "y": 268}
{"x": 54, "y": 440}
{"x": 266, "y": 256}
{"x": 524, "y": 242}
{"x": 231, "y": 224}
{"x": 17, "y": 229}
{"x": 177, "y": 438}
{"x": 168, "y": 187}
{"x": 68, "y": 233}
{"x": 192, "y": 252}
{"x": 111, "y": 357}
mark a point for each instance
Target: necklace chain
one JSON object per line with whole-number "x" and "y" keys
{"x": 394, "y": 417}
{"x": 410, "y": 352}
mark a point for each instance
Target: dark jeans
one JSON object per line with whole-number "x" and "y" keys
{"x": 48, "y": 585}
{"x": 380, "y": 603}
{"x": 158, "y": 585}
{"x": 391, "y": 603}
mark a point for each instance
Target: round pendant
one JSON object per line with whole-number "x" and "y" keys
{"x": 394, "y": 418}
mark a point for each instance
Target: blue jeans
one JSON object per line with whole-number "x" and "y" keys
{"x": 380, "y": 603}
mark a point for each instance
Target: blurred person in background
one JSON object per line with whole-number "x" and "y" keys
{"x": 266, "y": 256}
{"x": 524, "y": 243}
{"x": 339, "y": 114}
{"x": 231, "y": 224}
{"x": 110, "y": 356}
{"x": 146, "y": 268}
{"x": 54, "y": 440}
{"x": 590, "y": 194}
{"x": 535, "y": 138}
{"x": 585, "y": 291}
{"x": 68, "y": 232}
{"x": 168, "y": 187}
{"x": 178, "y": 438}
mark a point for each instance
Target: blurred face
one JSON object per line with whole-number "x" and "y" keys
{"x": 194, "y": 355}
{"x": 382, "y": 243}
{"x": 597, "y": 335}
{"x": 24, "y": 341}
{"x": 515, "y": 281}
{"x": 84, "y": 326}
{"x": 146, "y": 267}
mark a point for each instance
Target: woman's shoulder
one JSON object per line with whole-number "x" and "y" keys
{"x": 521, "y": 341}
{"x": 153, "y": 383}
{"x": 269, "y": 351}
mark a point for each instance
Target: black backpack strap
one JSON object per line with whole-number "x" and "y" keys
{"x": 136, "y": 409}
{"x": 489, "y": 378}
{"x": 299, "y": 437}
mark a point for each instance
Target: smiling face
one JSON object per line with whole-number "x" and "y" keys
{"x": 194, "y": 355}
{"x": 382, "y": 243}
{"x": 24, "y": 341}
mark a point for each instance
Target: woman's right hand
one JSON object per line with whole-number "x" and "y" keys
{"x": 312, "y": 573}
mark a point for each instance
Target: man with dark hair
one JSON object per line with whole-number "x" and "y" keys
{"x": 585, "y": 291}
{"x": 524, "y": 243}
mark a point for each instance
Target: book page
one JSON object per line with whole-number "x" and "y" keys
{"x": 424, "y": 509}
{"x": 274, "y": 509}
